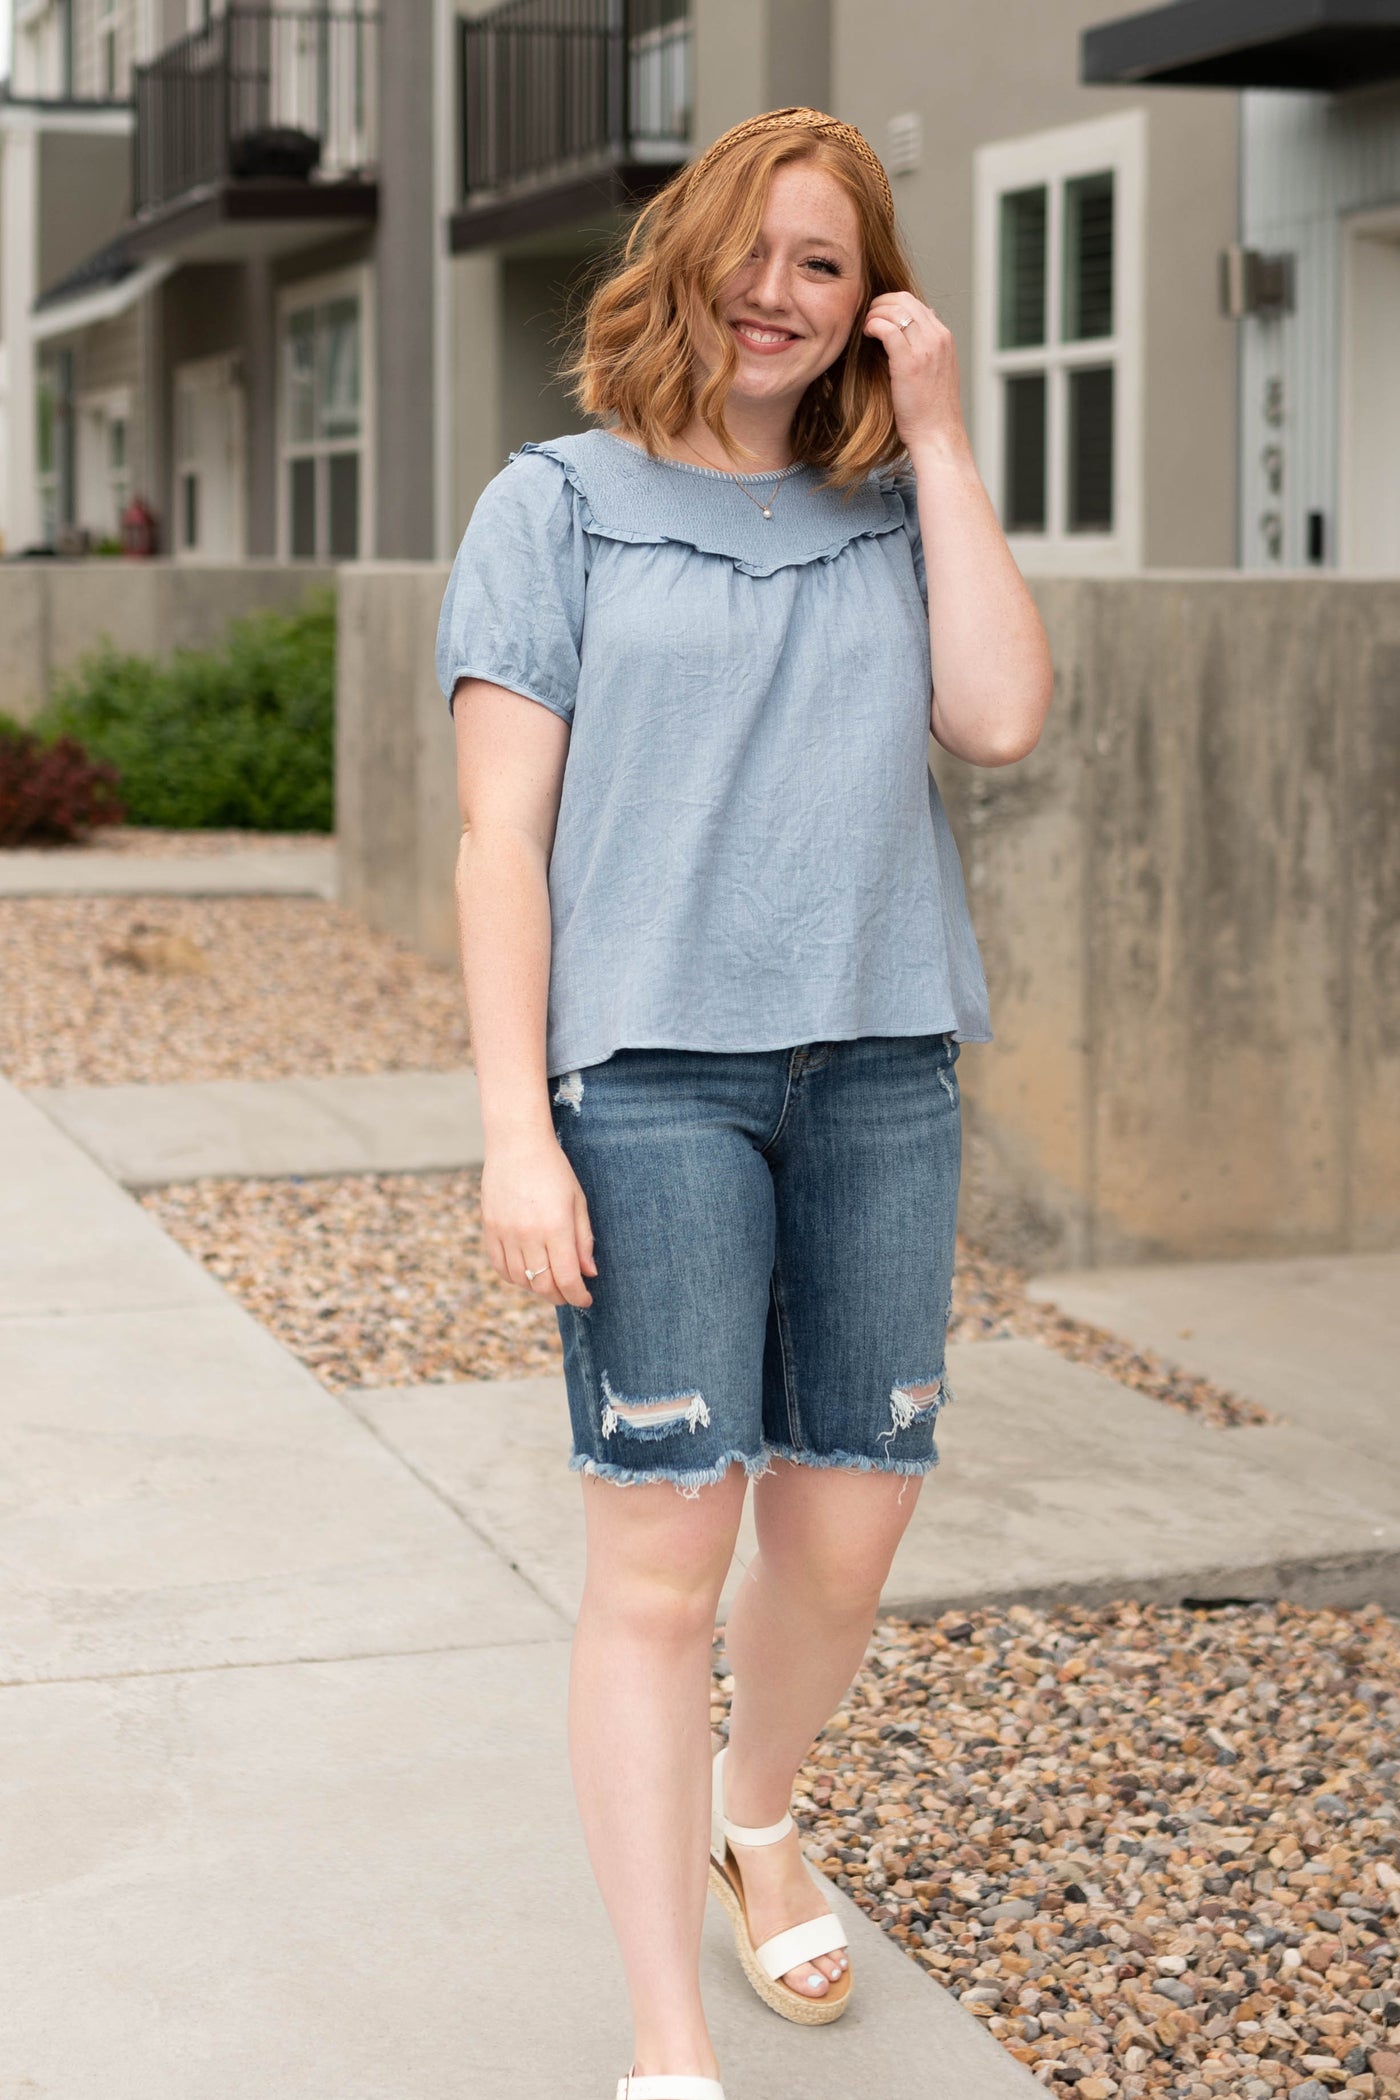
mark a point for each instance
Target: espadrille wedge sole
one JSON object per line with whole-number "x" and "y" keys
{"x": 766, "y": 1964}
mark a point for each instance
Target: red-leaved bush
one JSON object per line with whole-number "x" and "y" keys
{"x": 53, "y": 793}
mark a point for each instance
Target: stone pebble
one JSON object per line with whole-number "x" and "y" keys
{"x": 1030, "y": 1804}
{"x": 110, "y": 991}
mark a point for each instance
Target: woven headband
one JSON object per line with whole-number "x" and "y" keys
{"x": 812, "y": 121}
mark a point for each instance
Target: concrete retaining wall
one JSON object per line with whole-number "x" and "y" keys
{"x": 54, "y": 612}
{"x": 1188, "y": 900}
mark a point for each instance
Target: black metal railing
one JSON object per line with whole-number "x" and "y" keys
{"x": 554, "y": 85}
{"x": 257, "y": 91}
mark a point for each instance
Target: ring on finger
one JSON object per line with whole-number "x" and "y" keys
{"x": 531, "y": 1274}
{"x": 907, "y": 322}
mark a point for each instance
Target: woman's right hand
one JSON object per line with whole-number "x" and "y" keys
{"x": 535, "y": 1215}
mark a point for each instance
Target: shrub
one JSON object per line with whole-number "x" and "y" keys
{"x": 51, "y": 793}
{"x": 241, "y": 737}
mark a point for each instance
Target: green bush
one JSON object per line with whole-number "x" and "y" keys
{"x": 239, "y": 738}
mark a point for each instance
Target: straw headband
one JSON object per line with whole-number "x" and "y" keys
{"x": 808, "y": 120}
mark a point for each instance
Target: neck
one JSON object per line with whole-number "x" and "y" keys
{"x": 760, "y": 434}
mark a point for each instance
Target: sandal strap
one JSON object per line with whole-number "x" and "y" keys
{"x": 771, "y": 1833}
{"x": 788, "y": 1950}
{"x": 743, "y": 1833}
{"x": 667, "y": 2088}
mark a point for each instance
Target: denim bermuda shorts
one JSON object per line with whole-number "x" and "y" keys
{"x": 774, "y": 1232}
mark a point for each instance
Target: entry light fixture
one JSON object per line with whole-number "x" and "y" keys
{"x": 1254, "y": 283}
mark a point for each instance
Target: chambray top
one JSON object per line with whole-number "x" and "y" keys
{"x": 751, "y": 850}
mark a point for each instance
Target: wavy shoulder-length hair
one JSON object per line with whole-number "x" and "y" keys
{"x": 636, "y": 361}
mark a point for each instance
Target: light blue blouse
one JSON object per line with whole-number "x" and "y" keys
{"x": 751, "y": 849}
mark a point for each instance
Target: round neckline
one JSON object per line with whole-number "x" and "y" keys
{"x": 713, "y": 473}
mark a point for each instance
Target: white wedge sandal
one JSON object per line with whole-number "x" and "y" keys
{"x": 766, "y": 1964}
{"x": 667, "y": 2088}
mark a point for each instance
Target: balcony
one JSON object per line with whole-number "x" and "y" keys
{"x": 256, "y": 134}
{"x": 570, "y": 108}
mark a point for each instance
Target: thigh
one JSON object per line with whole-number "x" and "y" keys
{"x": 866, "y": 1172}
{"x": 664, "y": 1369}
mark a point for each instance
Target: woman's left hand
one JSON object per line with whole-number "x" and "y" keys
{"x": 923, "y": 370}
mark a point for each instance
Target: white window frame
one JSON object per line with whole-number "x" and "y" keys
{"x": 355, "y": 283}
{"x": 108, "y": 16}
{"x": 1116, "y": 144}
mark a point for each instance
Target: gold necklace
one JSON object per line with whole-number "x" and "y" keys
{"x": 764, "y": 509}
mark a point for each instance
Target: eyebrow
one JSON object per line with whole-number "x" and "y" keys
{"x": 821, "y": 240}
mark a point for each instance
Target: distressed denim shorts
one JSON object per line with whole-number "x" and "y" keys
{"x": 774, "y": 1232}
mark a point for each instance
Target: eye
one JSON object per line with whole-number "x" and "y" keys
{"x": 824, "y": 263}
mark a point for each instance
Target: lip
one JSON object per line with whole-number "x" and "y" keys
{"x": 785, "y": 340}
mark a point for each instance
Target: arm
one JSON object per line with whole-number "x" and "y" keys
{"x": 510, "y": 767}
{"x": 992, "y": 673}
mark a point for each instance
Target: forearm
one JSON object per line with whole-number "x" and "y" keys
{"x": 991, "y": 662}
{"x": 504, "y": 938}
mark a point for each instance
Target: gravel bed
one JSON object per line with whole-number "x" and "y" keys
{"x": 99, "y": 991}
{"x": 153, "y": 844}
{"x": 371, "y": 1279}
{"x": 381, "y": 1279}
{"x": 1156, "y": 1850}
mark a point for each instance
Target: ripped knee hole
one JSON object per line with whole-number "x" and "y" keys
{"x": 654, "y": 1414}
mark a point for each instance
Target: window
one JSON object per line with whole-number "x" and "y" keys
{"x": 1058, "y": 366}
{"x": 108, "y": 18}
{"x": 323, "y": 425}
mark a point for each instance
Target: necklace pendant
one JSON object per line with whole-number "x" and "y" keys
{"x": 766, "y": 511}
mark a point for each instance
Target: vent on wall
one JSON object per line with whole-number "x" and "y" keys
{"x": 904, "y": 143}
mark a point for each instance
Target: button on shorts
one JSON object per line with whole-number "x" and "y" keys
{"x": 774, "y": 1232}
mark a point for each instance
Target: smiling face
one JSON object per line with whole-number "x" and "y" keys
{"x": 790, "y": 308}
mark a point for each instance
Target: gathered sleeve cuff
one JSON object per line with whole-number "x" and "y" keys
{"x": 513, "y": 609}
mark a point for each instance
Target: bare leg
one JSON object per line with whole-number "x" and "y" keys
{"x": 639, "y": 1733}
{"x": 795, "y": 1639}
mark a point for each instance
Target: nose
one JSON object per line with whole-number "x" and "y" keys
{"x": 769, "y": 285}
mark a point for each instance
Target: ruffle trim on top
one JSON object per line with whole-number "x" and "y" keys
{"x": 649, "y": 502}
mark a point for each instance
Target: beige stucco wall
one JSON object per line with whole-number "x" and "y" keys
{"x": 978, "y": 78}
{"x": 1187, "y": 900}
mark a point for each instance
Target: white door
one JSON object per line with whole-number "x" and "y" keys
{"x": 207, "y": 511}
{"x": 1370, "y": 421}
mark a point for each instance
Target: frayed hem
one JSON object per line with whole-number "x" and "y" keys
{"x": 685, "y": 1482}
{"x": 854, "y": 1461}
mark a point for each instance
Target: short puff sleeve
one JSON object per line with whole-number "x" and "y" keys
{"x": 513, "y": 609}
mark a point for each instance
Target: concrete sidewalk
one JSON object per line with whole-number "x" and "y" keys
{"x": 284, "y": 1805}
{"x": 28, "y": 871}
{"x": 1054, "y": 1483}
{"x": 386, "y": 1123}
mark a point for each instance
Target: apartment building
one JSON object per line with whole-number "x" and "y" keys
{"x": 301, "y": 275}
{"x": 209, "y": 294}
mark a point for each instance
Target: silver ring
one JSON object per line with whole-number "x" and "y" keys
{"x": 907, "y": 322}
{"x": 531, "y": 1274}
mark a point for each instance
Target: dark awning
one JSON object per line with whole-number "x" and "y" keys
{"x": 1327, "y": 45}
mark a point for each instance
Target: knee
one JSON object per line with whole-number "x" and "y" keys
{"x": 662, "y": 1608}
{"x": 840, "y": 1586}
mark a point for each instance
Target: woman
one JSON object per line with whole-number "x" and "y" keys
{"x": 718, "y": 965}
